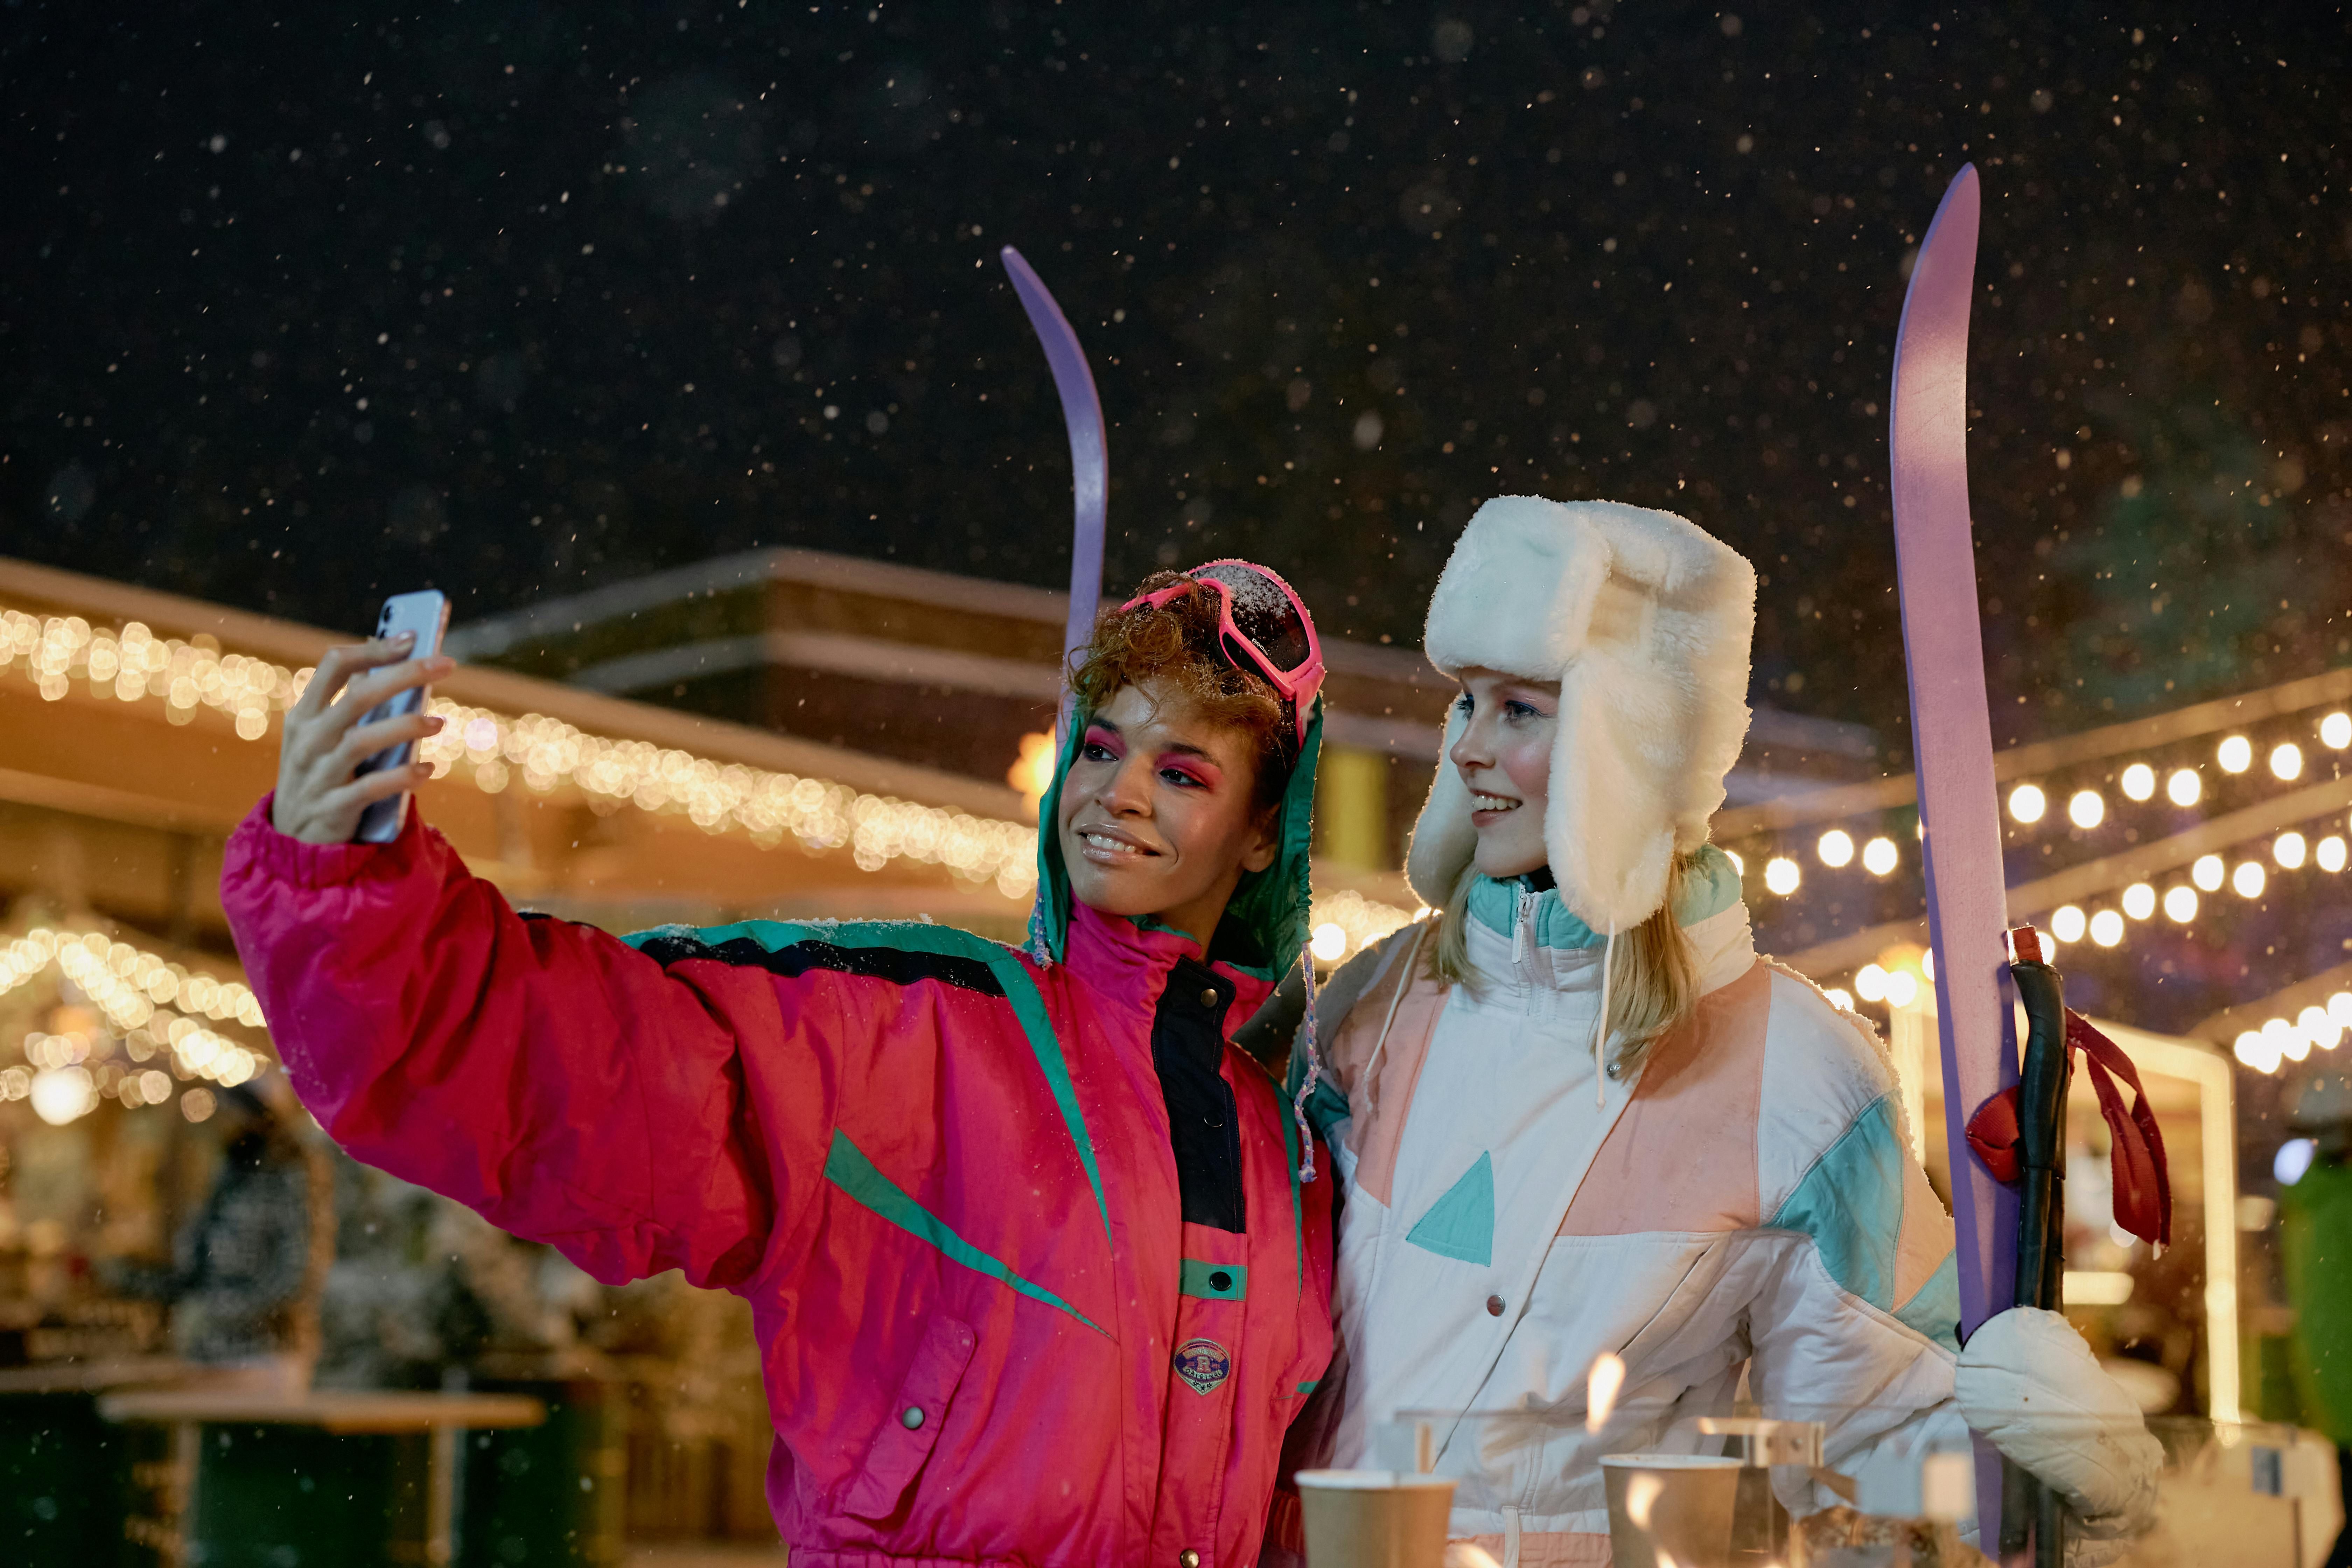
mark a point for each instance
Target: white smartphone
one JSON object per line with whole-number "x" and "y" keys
{"x": 426, "y": 614}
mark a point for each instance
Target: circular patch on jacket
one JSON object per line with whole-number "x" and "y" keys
{"x": 1203, "y": 1363}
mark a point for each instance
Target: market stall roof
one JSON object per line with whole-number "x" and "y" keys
{"x": 139, "y": 727}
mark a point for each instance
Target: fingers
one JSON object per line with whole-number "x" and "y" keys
{"x": 333, "y": 815}
{"x": 374, "y": 685}
{"x": 369, "y": 789}
{"x": 320, "y": 733}
{"x": 346, "y": 660}
{"x": 366, "y": 739}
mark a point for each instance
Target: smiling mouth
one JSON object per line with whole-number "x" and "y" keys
{"x": 1492, "y": 803}
{"x": 1103, "y": 847}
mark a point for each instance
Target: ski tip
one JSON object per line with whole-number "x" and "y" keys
{"x": 1034, "y": 295}
{"x": 1961, "y": 204}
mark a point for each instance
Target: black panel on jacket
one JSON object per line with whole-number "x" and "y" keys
{"x": 1188, "y": 1047}
{"x": 899, "y": 965}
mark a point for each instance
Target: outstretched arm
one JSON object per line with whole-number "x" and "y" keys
{"x": 569, "y": 1089}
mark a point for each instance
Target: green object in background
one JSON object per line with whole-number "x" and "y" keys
{"x": 292, "y": 1497}
{"x": 64, "y": 1473}
{"x": 78, "y": 1491}
{"x": 2315, "y": 1246}
{"x": 2270, "y": 1393}
{"x": 550, "y": 1494}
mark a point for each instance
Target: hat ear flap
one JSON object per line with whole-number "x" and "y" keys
{"x": 1611, "y": 848}
{"x": 1444, "y": 840}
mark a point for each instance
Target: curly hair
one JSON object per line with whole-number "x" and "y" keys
{"x": 1179, "y": 642}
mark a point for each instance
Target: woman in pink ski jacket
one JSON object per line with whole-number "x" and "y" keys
{"x": 1033, "y": 1273}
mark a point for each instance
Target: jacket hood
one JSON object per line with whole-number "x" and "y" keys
{"x": 1645, "y": 619}
{"x": 1264, "y": 926}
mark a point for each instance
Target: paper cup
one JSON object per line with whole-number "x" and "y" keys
{"x": 1671, "y": 1506}
{"x": 1374, "y": 1519}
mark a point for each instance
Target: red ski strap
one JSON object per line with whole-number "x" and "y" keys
{"x": 2143, "y": 1183}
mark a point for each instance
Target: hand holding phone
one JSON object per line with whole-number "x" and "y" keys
{"x": 420, "y": 618}
{"x": 346, "y": 768}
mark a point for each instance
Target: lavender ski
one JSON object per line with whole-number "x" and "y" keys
{"x": 1089, "y": 449}
{"x": 1952, "y": 731}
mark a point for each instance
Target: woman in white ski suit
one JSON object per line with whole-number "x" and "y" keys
{"x": 1735, "y": 1195}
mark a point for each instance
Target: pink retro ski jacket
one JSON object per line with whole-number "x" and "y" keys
{"x": 938, "y": 1169}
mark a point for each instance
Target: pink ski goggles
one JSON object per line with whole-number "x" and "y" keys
{"x": 1262, "y": 626}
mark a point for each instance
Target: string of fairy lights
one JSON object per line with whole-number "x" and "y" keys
{"x": 132, "y": 663}
{"x": 2247, "y": 871}
{"x": 150, "y": 1010}
{"x": 495, "y": 752}
{"x": 2086, "y": 808}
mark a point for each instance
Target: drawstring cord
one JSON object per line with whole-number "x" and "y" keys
{"x": 1313, "y": 1074}
{"x": 1404, "y": 983}
{"x": 1600, "y": 1024}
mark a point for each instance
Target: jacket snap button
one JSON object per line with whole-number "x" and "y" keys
{"x": 1221, "y": 1281}
{"x": 1208, "y": 999}
{"x": 1188, "y": 1558}
{"x": 1494, "y": 1306}
{"x": 912, "y": 1418}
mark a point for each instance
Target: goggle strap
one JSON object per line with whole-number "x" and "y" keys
{"x": 1296, "y": 686}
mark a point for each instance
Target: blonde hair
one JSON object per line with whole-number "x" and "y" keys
{"x": 1653, "y": 982}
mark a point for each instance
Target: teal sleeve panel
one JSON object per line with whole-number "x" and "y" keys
{"x": 1851, "y": 1204}
{"x": 1935, "y": 1309}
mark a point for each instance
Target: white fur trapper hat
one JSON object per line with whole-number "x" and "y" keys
{"x": 1645, "y": 620}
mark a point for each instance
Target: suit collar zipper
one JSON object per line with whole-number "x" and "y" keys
{"x": 1522, "y": 931}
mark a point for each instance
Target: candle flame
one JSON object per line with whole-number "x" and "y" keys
{"x": 1602, "y": 1384}
{"x": 1640, "y": 1496}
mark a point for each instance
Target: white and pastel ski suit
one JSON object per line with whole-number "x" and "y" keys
{"x": 1744, "y": 1200}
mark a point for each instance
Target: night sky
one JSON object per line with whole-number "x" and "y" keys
{"x": 518, "y": 299}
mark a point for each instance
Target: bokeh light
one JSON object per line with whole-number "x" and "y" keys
{"x": 2257, "y": 1050}
{"x": 64, "y": 1093}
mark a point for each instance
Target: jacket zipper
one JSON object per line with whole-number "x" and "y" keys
{"x": 1523, "y": 929}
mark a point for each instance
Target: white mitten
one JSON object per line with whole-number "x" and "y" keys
{"x": 2028, "y": 1382}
